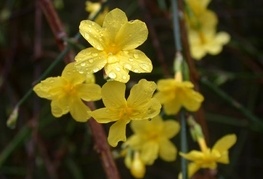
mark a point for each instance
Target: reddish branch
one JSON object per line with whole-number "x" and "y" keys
{"x": 98, "y": 133}
{"x": 55, "y": 25}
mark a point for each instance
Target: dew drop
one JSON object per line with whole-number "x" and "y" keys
{"x": 81, "y": 72}
{"x": 136, "y": 70}
{"x": 136, "y": 55}
{"x": 83, "y": 64}
{"x": 95, "y": 70}
{"x": 144, "y": 67}
{"x": 112, "y": 75}
{"x": 91, "y": 60}
{"x": 118, "y": 69}
{"x": 94, "y": 54}
{"x": 130, "y": 59}
{"x": 124, "y": 77}
{"x": 87, "y": 36}
{"x": 127, "y": 66}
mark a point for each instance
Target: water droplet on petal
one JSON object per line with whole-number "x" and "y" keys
{"x": 144, "y": 67}
{"x": 87, "y": 36}
{"x": 130, "y": 59}
{"x": 91, "y": 60}
{"x": 112, "y": 75}
{"x": 94, "y": 54}
{"x": 124, "y": 77}
{"x": 127, "y": 66}
{"x": 95, "y": 70}
{"x": 83, "y": 64}
{"x": 118, "y": 69}
{"x": 136, "y": 55}
{"x": 136, "y": 70}
{"x": 81, "y": 72}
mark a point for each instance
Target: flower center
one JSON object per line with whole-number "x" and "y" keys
{"x": 125, "y": 112}
{"x": 112, "y": 49}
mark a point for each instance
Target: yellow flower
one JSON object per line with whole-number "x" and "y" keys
{"x": 203, "y": 42}
{"x": 175, "y": 94}
{"x": 137, "y": 167}
{"x": 67, "y": 92}
{"x": 198, "y": 7}
{"x": 151, "y": 139}
{"x": 139, "y": 106}
{"x": 208, "y": 158}
{"x": 114, "y": 47}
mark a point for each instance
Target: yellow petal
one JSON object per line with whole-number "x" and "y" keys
{"x": 141, "y": 93}
{"x": 135, "y": 141}
{"x": 92, "y": 32}
{"x": 117, "y": 72}
{"x": 89, "y": 92}
{"x": 225, "y": 143}
{"x": 59, "y": 107}
{"x": 90, "y": 60}
{"x": 113, "y": 21}
{"x": 149, "y": 152}
{"x": 43, "y": 88}
{"x": 132, "y": 34}
{"x": 149, "y": 111}
{"x": 79, "y": 111}
{"x": 113, "y": 94}
{"x": 171, "y": 128}
{"x": 71, "y": 74}
{"x": 104, "y": 115}
{"x": 172, "y": 107}
{"x": 135, "y": 61}
{"x": 167, "y": 150}
{"x": 144, "y": 127}
{"x": 117, "y": 132}
{"x": 192, "y": 101}
{"x": 193, "y": 155}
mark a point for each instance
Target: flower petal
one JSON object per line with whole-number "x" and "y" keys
{"x": 135, "y": 61}
{"x": 89, "y": 92}
{"x": 141, "y": 93}
{"x": 167, "y": 150}
{"x": 117, "y": 132}
{"x": 113, "y": 21}
{"x": 113, "y": 94}
{"x": 225, "y": 143}
{"x": 104, "y": 115}
{"x": 92, "y": 32}
{"x": 172, "y": 107}
{"x": 71, "y": 74}
{"x": 117, "y": 72}
{"x": 192, "y": 100}
{"x": 132, "y": 34}
{"x": 59, "y": 107}
{"x": 43, "y": 88}
{"x": 193, "y": 155}
{"x": 171, "y": 128}
{"x": 149, "y": 152}
{"x": 79, "y": 111}
{"x": 90, "y": 60}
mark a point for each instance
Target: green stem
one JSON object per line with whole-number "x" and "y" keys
{"x": 256, "y": 122}
{"x": 184, "y": 148}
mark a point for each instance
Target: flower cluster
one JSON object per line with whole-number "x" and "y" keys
{"x": 113, "y": 41}
{"x": 201, "y": 23}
